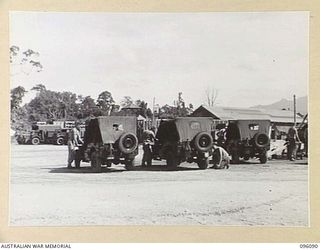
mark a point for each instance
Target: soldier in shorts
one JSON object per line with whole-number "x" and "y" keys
{"x": 74, "y": 141}
{"x": 221, "y": 158}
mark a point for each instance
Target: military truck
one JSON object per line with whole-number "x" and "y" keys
{"x": 46, "y": 134}
{"x": 184, "y": 139}
{"x": 248, "y": 139}
{"x": 109, "y": 140}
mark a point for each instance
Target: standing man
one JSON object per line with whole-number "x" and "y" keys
{"x": 148, "y": 137}
{"x": 292, "y": 143}
{"x": 74, "y": 141}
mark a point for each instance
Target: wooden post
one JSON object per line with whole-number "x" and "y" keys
{"x": 153, "y": 103}
{"x": 294, "y": 110}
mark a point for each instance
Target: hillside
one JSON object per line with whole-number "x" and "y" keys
{"x": 302, "y": 105}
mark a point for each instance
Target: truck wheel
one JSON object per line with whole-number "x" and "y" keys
{"x": 77, "y": 159}
{"x": 246, "y": 157}
{"x": 60, "y": 141}
{"x": 263, "y": 158}
{"x": 35, "y": 141}
{"x": 95, "y": 161}
{"x": 172, "y": 161}
{"x": 203, "y": 163}
{"x": 130, "y": 164}
{"x": 235, "y": 157}
{"x": 19, "y": 141}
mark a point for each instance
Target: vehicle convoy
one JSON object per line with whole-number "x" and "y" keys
{"x": 48, "y": 134}
{"x": 248, "y": 139}
{"x": 109, "y": 140}
{"x": 184, "y": 139}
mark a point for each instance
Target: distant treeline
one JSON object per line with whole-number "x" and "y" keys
{"x": 50, "y": 105}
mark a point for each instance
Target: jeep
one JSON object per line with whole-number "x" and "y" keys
{"x": 248, "y": 139}
{"x": 109, "y": 140}
{"x": 184, "y": 139}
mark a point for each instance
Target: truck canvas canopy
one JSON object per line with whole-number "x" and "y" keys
{"x": 248, "y": 128}
{"x": 102, "y": 128}
{"x": 184, "y": 128}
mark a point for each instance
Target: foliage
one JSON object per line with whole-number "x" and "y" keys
{"x": 88, "y": 108}
{"x": 145, "y": 111}
{"x": 105, "y": 102}
{"x": 16, "y": 97}
{"x": 53, "y": 105}
{"x": 24, "y": 62}
{"x": 178, "y": 110}
{"x": 39, "y": 88}
{"x": 127, "y": 101}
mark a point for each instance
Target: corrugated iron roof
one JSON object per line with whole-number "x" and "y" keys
{"x": 232, "y": 113}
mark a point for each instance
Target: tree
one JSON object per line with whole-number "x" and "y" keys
{"x": 39, "y": 88}
{"x": 211, "y": 96}
{"x": 24, "y": 62}
{"x": 127, "y": 101}
{"x": 168, "y": 111}
{"x": 16, "y": 96}
{"x": 105, "y": 102}
{"x": 53, "y": 105}
{"x": 178, "y": 110}
{"x": 145, "y": 111}
{"x": 17, "y": 113}
{"x": 88, "y": 107}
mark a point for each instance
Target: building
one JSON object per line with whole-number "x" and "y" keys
{"x": 281, "y": 120}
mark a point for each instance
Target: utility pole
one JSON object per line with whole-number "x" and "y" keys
{"x": 294, "y": 110}
{"x": 153, "y": 103}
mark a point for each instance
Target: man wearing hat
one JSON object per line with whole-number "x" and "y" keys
{"x": 148, "y": 137}
{"x": 74, "y": 141}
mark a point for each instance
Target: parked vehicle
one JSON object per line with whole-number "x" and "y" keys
{"x": 109, "y": 140}
{"x": 47, "y": 134}
{"x": 247, "y": 139}
{"x": 184, "y": 139}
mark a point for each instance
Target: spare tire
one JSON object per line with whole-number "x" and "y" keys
{"x": 203, "y": 141}
{"x": 128, "y": 143}
{"x": 261, "y": 140}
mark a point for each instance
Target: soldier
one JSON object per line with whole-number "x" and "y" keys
{"x": 74, "y": 141}
{"x": 221, "y": 158}
{"x": 292, "y": 143}
{"x": 148, "y": 137}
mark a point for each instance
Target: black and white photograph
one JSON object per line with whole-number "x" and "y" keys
{"x": 159, "y": 118}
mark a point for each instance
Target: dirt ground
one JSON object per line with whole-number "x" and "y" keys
{"x": 43, "y": 192}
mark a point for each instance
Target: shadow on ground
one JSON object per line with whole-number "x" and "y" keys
{"x": 121, "y": 168}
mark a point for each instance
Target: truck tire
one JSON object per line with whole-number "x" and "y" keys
{"x": 128, "y": 143}
{"x": 261, "y": 140}
{"x": 60, "y": 141}
{"x": 203, "y": 141}
{"x": 35, "y": 141}
{"x": 263, "y": 158}
{"x": 203, "y": 163}
{"x": 130, "y": 164}
{"x": 235, "y": 157}
{"x": 172, "y": 161}
{"x": 95, "y": 162}
{"x": 77, "y": 159}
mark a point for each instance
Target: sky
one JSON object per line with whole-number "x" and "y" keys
{"x": 249, "y": 58}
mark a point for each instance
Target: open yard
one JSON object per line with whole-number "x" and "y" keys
{"x": 43, "y": 192}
